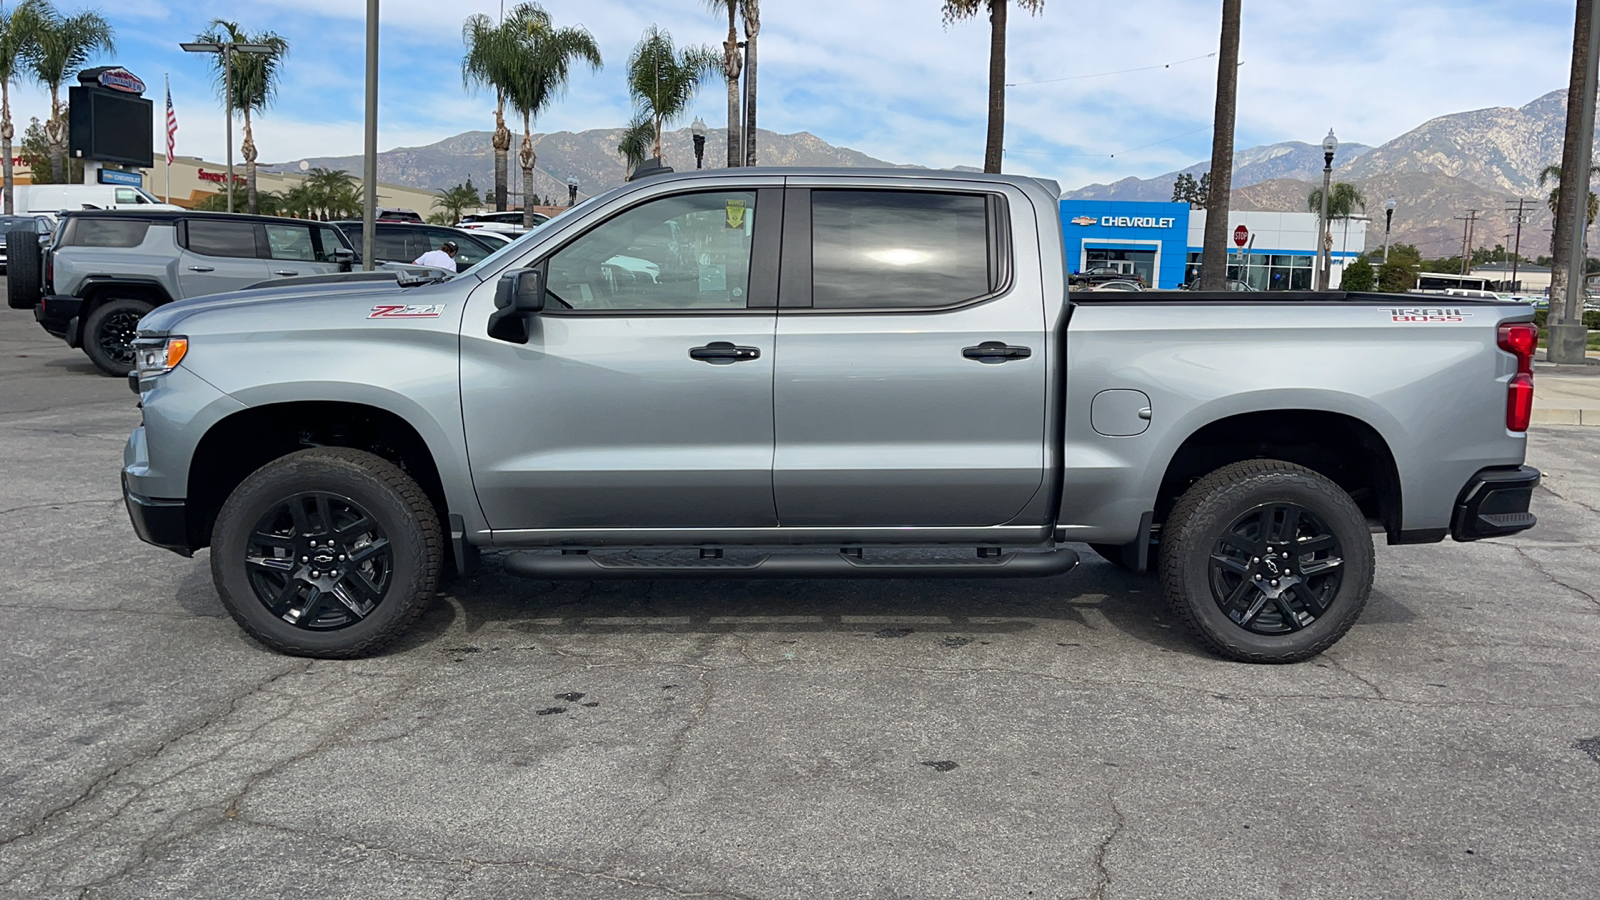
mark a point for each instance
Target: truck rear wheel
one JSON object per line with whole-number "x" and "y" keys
{"x": 1266, "y": 562}
{"x": 108, "y": 334}
{"x": 24, "y": 269}
{"x": 331, "y": 553}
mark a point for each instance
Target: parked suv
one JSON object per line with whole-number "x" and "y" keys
{"x": 403, "y": 242}
{"x": 1102, "y": 274}
{"x": 107, "y": 268}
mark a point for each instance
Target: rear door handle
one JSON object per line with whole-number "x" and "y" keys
{"x": 722, "y": 353}
{"x": 201, "y": 269}
{"x": 285, "y": 272}
{"x": 995, "y": 352}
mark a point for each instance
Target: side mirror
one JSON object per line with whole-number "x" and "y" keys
{"x": 345, "y": 258}
{"x": 518, "y": 297}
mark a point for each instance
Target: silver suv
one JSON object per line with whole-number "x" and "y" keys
{"x": 108, "y": 268}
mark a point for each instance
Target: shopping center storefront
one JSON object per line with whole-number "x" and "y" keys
{"x": 1161, "y": 242}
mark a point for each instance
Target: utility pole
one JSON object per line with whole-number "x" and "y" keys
{"x": 369, "y": 157}
{"x": 1567, "y": 333}
{"x": 1467, "y": 221}
{"x": 1516, "y": 247}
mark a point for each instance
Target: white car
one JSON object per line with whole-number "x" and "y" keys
{"x": 500, "y": 222}
{"x": 1117, "y": 286}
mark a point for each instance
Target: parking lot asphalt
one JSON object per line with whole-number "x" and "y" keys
{"x": 1059, "y": 738}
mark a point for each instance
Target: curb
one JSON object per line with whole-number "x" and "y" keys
{"x": 1566, "y": 416}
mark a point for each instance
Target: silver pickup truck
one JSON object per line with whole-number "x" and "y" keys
{"x": 755, "y": 373}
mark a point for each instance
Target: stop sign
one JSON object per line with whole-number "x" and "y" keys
{"x": 1241, "y": 236}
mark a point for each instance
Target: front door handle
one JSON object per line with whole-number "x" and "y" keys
{"x": 201, "y": 269}
{"x": 722, "y": 353}
{"x": 285, "y": 272}
{"x": 995, "y": 352}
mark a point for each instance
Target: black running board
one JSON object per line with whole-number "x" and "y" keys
{"x": 587, "y": 566}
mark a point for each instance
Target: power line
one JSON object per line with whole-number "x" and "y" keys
{"x": 1008, "y": 150}
{"x": 1118, "y": 72}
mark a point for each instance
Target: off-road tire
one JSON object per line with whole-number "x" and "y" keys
{"x": 386, "y": 494}
{"x": 111, "y": 314}
{"x": 24, "y": 269}
{"x": 1206, "y": 512}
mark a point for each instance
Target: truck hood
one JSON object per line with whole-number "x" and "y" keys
{"x": 300, "y": 299}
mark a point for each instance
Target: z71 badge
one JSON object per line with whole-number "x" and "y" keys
{"x": 401, "y": 311}
{"x": 1425, "y": 314}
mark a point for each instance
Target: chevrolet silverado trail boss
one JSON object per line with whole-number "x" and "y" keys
{"x": 750, "y": 373}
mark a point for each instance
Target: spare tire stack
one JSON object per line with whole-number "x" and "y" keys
{"x": 24, "y": 269}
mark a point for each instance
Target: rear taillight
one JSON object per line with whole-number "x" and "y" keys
{"x": 1519, "y": 339}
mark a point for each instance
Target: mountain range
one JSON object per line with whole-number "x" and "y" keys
{"x": 1480, "y": 160}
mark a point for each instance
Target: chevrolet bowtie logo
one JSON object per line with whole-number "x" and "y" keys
{"x": 1085, "y": 220}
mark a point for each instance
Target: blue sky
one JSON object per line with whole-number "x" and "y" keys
{"x": 887, "y": 78}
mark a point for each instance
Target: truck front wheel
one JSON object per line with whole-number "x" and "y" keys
{"x": 108, "y": 334}
{"x": 329, "y": 553}
{"x": 1265, "y": 561}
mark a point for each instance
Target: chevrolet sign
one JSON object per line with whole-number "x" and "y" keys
{"x": 1085, "y": 220}
{"x": 1136, "y": 222}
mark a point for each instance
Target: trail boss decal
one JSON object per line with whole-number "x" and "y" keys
{"x": 1426, "y": 314}
{"x": 401, "y": 311}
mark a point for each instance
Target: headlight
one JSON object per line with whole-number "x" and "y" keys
{"x": 158, "y": 355}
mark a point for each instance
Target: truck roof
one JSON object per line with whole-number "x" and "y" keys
{"x": 860, "y": 172}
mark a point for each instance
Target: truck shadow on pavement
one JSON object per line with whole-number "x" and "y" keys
{"x": 1074, "y": 608}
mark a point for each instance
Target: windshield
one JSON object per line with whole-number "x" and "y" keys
{"x": 512, "y": 249}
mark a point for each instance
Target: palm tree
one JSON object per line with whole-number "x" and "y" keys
{"x": 302, "y": 201}
{"x": 636, "y": 140}
{"x": 334, "y": 193}
{"x": 61, "y": 47}
{"x": 1344, "y": 199}
{"x": 663, "y": 80}
{"x": 732, "y": 63}
{"x": 540, "y": 66}
{"x": 966, "y": 9}
{"x": 488, "y": 63}
{"x": 452, "y": 203}
{"x": 1214, "y": 242}
{"x": 751, "y": 11}
{"x": 255, "y": 83}
{"x": 16, "y": 44}
{"x": 1552, "y": 176}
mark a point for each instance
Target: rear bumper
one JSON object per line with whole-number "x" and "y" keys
{"x": 160, "y": 522}
{"x": 1495, "y": 503}
{"x": 59, "y": 316}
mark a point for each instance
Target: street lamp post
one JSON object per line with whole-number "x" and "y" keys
{"x": 227, "y": 49}
{"x": 698, "y": 129}
{"x": 1388, "y": 221}
{"x": 1329, "y": 145}
{"x": 572, "y": 191}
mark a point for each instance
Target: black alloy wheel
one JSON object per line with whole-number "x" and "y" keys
{"x": 1276, "y": 569}
{"x": 318, "y": 561}
{"x": 116, "y": 333}
{"x": 1266, "y": 561}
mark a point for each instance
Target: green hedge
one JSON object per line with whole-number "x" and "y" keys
{"x": 1591, "y": 318}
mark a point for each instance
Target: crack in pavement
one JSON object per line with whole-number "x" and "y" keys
{"x": 471, "y": 863}
{"x": 1103, "y": 881}
{"x": 57, "y": 503}
{"x": 1542, "y": 571}
{"x": 1335, "y": 662}
{"x": 1565, "y": 499}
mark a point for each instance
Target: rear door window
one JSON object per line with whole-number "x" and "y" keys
{"x": 899, "y": 249}
{"x": 328, "y": 243}
{"x": 223, "y": 238}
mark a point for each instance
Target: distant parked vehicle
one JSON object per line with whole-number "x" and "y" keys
{"x": 403, "y": 242}
{"x": 1102, "y": 274}
{"x": 503, "y": 222}
{"x": 396, "y": 214}
{"x": 1233, "y": 284}
{"x": 1117, "y": 286}
{"x": 54, "y": 198}
{"x": 40, "y": 226}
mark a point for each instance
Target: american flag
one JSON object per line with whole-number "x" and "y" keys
{"x": 172, "y": 127}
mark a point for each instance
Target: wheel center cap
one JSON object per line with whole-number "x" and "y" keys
{"x": 1271, "y": 566}
{"x": 323, "y": 558}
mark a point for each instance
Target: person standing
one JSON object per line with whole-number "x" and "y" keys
{"x": 442, "y": 258}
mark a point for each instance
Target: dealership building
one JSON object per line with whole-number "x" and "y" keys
{"x": 1162, "y": 243}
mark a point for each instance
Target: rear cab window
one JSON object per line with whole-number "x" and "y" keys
{"x": 904, "y": 250}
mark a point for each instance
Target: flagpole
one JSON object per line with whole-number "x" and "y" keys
{"x": 167, "y": 198}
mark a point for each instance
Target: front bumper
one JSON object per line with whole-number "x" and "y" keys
{"x": 1495, "y": 503}
{"x": 160, "y": 522}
